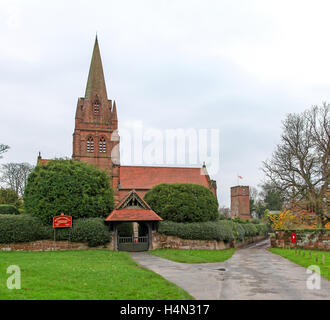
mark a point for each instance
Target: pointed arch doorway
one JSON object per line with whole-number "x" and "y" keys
{"x": 133, "y": 209}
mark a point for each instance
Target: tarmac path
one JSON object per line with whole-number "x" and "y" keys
{"x": 252, "y": 273}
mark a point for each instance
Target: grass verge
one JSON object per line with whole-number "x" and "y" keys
{"x": 308, "y": 259}
{"x": 90, "y": 275}
{"x": 194, "y": 256}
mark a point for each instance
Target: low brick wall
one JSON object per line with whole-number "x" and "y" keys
{"x": 161, "y": 241}
{"x": 48, "y": 245}
{"x": 307, "y": 239}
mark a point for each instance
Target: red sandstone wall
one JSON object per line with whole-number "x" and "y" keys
{"x": 48, "y": 245}
{"x": 161, "y": 241}
{"x": 305, "y": 239}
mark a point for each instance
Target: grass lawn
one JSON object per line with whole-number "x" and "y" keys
{"x": 306, "y": 260}
{"x": 90, "y": 274}
{"x": 194, "y": 256}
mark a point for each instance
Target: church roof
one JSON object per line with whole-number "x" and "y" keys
{"x": 133, "y": 215}
{"x": 140, "y": 177}
{"x": 140, "y": 212}
{"x": 96, "y": 83}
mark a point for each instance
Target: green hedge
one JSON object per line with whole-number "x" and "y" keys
{"x": 22, "y": 228}
{"x": 217, "y": 230}
{"x": 92, "y": 230}
{"x": 9, "y": 196}
{"x": 212, "y": 230}
{"x": 8, "y": 209}
{"x": 183, "y": 202}
{"x": 25, "y": 228}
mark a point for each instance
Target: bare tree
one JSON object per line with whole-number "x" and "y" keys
{"x": 14, "y": 176}
{"x": 225, "y": 211}
{"x": 3, "y": 148}
{"x": 300, "y": 164}
{"x": 254, "y": 193}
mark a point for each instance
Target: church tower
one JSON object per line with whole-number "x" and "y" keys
{"x": 95, "y": 137}
{"x": 240, "y": 202}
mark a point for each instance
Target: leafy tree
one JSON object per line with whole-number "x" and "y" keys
{"x": 299, "y": 167}
{"x": 183, "y": 202}
{"x": 74, "y": 188}
{"x": 253, "y": 199}
{"x": 8, "y": 196}
{"x": 273, "y": 198}
{"x": 3, "y": 148}
{"x": 260, "y": 209}
{"x": 14, "y": 176}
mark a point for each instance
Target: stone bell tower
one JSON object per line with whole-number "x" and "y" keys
{"x": 95, "y": 137}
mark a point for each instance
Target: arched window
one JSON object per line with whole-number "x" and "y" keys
{"x": 102, "y": 145}
{"x": 90, "y": 145}
{"x": 96, "y": 107}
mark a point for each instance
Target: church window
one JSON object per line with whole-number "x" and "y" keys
{"x": 102, "y": 145}
{"x": 96, "y": 107}
{"x": 90, "y": 145}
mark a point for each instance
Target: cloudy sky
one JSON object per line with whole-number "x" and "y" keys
{"x": 235, "y": 66}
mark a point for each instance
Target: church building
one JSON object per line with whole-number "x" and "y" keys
{"x": 96, "y": 141}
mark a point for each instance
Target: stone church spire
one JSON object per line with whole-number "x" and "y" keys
{"x": 96, "y": 83}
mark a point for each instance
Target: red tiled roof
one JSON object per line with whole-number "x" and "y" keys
{"x": 133, "y": 215}
{"x": 43, "y": 161}
{"x": 139, "y": 177}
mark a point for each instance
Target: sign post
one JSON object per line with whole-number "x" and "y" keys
{"x": 61, "y": 221}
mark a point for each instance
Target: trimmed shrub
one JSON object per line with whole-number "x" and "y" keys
{"x": 92, "y": 230}
{"x": 239, "y": 220}
{"x": 212, "y": 230}
{"x": 239, "y": 230}
{"x": 22, "y": 228}
{"x": 9, "y": 196}
{"x": 262, "y": 229}
{"x": 8, "y": 209}
{"x": 183, "y": 202}
{"x": 25, "y": 228}
{"x": 218, "y": 230}
{"x": 221, "y": 216}
{"x": 255, "y": 220}
{"x": 250, "y": 230}
{"x": 74, "y": 188}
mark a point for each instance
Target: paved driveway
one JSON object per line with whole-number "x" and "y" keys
{"x": 251, "y": 273}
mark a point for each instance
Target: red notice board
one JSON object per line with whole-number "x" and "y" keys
{"x": 62, "y": 221}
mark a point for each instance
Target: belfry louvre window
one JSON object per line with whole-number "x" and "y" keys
{"x": 96, "y": 107}
{"x": 90, "y": 145}
{"x": 102, "y": 145}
